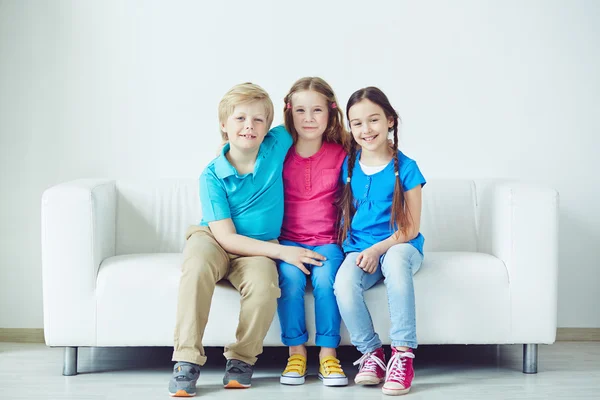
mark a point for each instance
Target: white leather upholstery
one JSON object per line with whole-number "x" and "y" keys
{"x": 112, "y": 258}
{"x": 153, "y": 216}
{"x": 78, "y": 232}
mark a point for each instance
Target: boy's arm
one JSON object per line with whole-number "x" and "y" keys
{"x": 282, "y": 136}
{"x": 225, "y": 233}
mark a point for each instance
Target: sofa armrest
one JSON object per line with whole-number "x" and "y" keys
{"x": 519, "y": 225}
{"x": 78, "y": 233}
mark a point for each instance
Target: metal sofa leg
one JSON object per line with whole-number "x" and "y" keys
{"x": 530, "y": 358}
{"x": 70, "y": 362}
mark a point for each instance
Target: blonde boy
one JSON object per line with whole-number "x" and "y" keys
{"x": 241, "y": 192}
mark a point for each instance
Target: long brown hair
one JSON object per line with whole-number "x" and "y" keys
{"x": 335, "y": 131}
{"x": 400, "y": 214}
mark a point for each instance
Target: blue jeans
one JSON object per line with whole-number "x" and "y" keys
{"x": 397, "y": 266}
{"x": 290, "y": 306}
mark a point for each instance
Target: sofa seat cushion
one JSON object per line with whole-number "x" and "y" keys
{"x": 461, "y": 298}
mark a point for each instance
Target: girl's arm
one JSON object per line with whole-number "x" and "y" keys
{"x": 368, "y": 259}
{"x": 225, "y": 233}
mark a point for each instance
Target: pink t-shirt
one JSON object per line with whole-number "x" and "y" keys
{"x": 310, "y": 191}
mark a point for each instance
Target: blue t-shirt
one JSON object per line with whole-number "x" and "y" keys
{"x": 253, "y": 201}
{"x": 373, "y": 195}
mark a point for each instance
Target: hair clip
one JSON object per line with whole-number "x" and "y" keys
{"x": 348, "y": 179}
{"x": 288, "y": 106}
{"x": 333, "y": 105}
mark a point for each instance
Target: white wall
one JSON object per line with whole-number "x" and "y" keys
{"x": 130, "y": 90}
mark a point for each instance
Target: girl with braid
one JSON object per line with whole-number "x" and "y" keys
{"x": 381, "y": 212}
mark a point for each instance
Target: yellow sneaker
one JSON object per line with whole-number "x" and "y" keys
{"x": 331, "y": 372}
{"x": 295, "y": 371}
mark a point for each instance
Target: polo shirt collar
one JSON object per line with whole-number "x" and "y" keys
{"x": 223, "y": 167}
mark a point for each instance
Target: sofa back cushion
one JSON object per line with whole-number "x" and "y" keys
{"x": 152, "y": 216}
{"x": 449, "y": 215}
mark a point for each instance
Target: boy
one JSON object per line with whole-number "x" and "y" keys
{"x": 241, "y": 192}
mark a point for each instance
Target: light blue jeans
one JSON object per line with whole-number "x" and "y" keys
{"x": 290, "y": 306}
{"x": 396, "y": 267}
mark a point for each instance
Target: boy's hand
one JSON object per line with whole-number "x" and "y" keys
{"x": 368, "y": 260}
{"x": 298, "y": 256}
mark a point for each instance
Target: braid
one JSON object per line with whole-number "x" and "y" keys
{"x": 395, "y": 148}
{"x": 399, "y": 216}
{"x": 346, "y": 200}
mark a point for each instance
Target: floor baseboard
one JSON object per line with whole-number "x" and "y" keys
{"x": 578, "y": 334}
{"x": 28, "y": 335}
{"x": 22, "y": 335}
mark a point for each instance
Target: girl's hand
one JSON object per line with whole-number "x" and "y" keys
{"x": 368, "y": 260}
{"x": 299, "y": 256}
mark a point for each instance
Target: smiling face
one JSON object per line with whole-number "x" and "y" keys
{"x": 370, "y": 126}
{"x": 247, "y": 126}
{"x": 310, "y": 114}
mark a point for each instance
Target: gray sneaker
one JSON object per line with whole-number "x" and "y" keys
{"x": 183, "y": 381}
{"x": 238, "y": 375}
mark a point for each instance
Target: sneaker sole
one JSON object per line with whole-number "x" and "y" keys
{"x": 395, "y": 392}
{"x": 333, "y": 381}
{"x": 367, "y": 380}
{"x": 233, "y": 384}
{"x": 292, "y": 380}
{"x": 182, "y": 393}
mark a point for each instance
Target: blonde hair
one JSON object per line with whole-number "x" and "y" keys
{"x": 241, "y": 94}
{"x": 335, "y": 131}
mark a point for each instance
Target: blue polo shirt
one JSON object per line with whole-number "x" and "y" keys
{"x": 373, "y": 195}
{"x": 253, "y": 201}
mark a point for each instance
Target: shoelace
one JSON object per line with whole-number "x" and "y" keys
{"x": 331, "y": 365}
{"x": 295, "y": 364}
{"x": 396, "y": 368}
{"x": 369, "y": 362}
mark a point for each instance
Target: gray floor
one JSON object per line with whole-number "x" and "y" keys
{"x": 567, "y": 370}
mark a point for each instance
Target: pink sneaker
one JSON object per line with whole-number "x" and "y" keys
{"x": 371, "y": 370}
{"x": 400, "y": 373}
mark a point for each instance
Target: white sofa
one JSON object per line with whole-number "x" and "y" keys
{"x": 111, "y": 257}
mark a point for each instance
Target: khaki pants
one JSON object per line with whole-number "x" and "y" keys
{"x": 205, "y": 263}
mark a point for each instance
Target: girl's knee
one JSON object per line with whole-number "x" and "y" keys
{"x": 333, "y": 252}
{"x": 291, "y": 278}
{"x": 345, "y": 283}
{"x": 348, "y": 276}
{"x": 345, "y": 293}
{"x": 402, "y": 251}
{"x": 324, "y": 276}
{"x": 398, "y": 262}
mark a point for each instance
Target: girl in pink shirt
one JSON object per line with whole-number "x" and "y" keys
{"x": 311, "y": 178}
